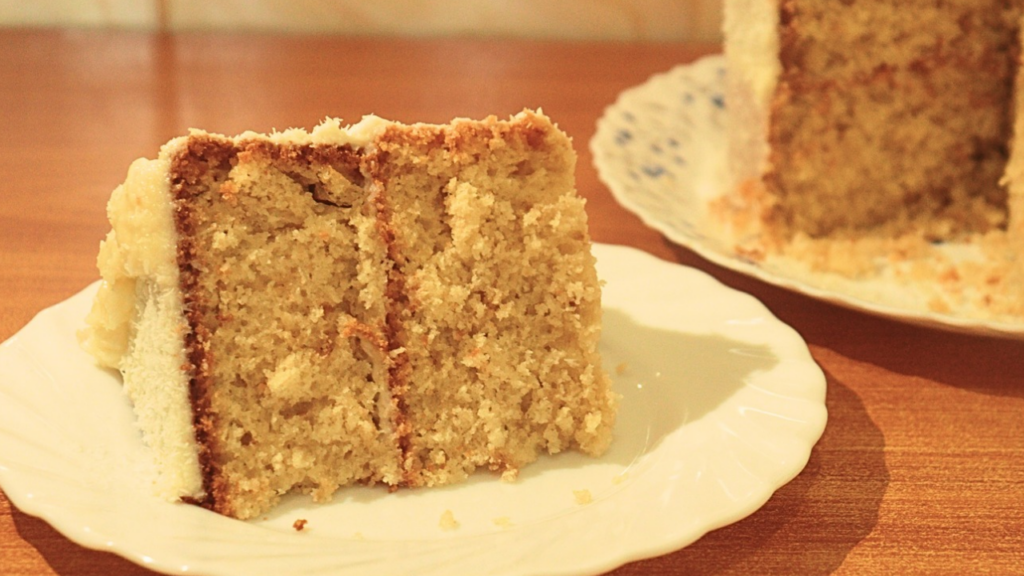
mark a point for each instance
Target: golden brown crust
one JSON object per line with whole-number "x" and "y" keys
{"x": 188, "y": 168}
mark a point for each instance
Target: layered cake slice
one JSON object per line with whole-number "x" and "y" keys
{"x": 375, "y": 304}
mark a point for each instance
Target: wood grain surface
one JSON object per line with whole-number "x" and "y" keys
{"x": 920, "y": 469}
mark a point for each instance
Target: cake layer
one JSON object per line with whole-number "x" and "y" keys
{"x": 891, "y": 116}
{"x": 284, "y": 276}
{"x": 502, "y": 298}
{"x": 884, "y": 151}
{"x": 829, "y": 40}
{"x": 870, "y": 115}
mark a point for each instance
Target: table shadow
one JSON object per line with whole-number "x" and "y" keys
{"x": 811, "y": 524}
{"x": 946, "y": 358}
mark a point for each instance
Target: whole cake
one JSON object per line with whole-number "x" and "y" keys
{"x": 382, "y": 303}
{"x": 877, "y": 120}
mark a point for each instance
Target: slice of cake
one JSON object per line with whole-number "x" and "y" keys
{"x": 873, "y": 140}
{"x": 376, "y": 304}
{"x": 873, "y": 115}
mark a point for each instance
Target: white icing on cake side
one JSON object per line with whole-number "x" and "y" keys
{"x": 751, "y": 29}
{"x": 752, "y": 45}
{"x": 137, "y": 324}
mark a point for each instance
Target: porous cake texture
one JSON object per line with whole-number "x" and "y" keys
{"x": 875, "y": 113}
{"x": 376, "y": 304}
{"x": 871, "y": 118}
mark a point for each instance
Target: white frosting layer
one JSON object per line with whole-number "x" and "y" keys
{"x": 137, "y": 324}
{"x": 751, "y": 30}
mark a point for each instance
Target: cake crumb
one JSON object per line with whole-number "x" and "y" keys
{"x": 621, "y": 369}
{"x": 971, "y": 276}
{"x": 620, "y": 478}
{"x": 299, "y": 524}
{"x": 503, "y": 521}
{"x": 510, "y": 475}
{"x": 583, "y": 496}
{"x": 448, "y": 521}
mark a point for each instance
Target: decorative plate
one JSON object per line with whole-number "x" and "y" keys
{"x": 661, "y": 149}
{"x": 721, "y": 406}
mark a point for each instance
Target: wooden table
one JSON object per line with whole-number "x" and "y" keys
{"x": 921, "y": 467}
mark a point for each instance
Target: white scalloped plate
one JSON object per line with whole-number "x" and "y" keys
{"x": 660, "y": 148}
{"x": 721, "y": 406}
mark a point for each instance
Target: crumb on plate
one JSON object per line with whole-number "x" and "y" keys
{"x": 503, "y": 521}
{"x": 448, "y": 521}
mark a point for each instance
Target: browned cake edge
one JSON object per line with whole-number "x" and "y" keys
{"x": 187, "y": 169}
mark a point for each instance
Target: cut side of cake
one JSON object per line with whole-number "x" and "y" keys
{"x": 872, "y": 115}
{"x": 866, "y": 136}
{"x": 384, "y": 303}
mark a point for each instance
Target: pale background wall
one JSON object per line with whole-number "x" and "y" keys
{"x": 621, "y": 20}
